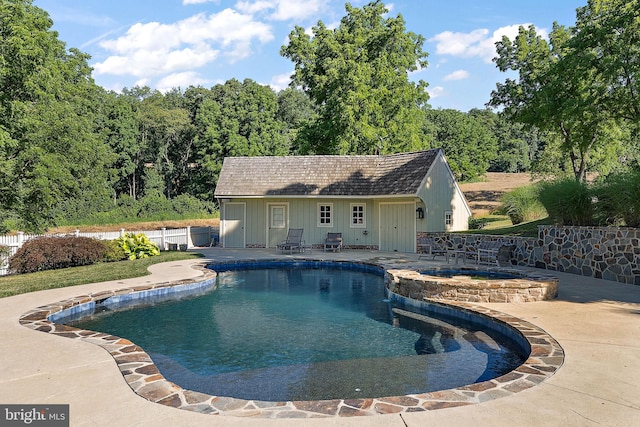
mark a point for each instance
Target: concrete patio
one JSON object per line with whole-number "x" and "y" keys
{"x": 596, "y": 322}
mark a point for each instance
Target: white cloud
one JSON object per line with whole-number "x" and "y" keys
{"x": 297, "y": 9}
{"x": 280, "y": 81}
{"x": 456, "y": 75}
{"x": 436, "y": 92}
{"x": 477, "y": 43}
{"x": 182, "y": 80}
{"x": 154, "y": 48}
{"x": 141, "y": 82}
{"x": 283, "y": 10}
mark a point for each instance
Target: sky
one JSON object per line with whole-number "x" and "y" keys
{"x": 165, "y": 44}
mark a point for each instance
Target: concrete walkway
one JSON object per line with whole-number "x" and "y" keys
{"x": 596, "y": 322}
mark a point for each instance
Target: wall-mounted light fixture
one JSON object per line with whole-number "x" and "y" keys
{"x": 419, "y": 213}
{"x": 365, "y": 232}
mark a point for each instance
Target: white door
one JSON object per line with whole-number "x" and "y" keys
{"x": 277, "y": 224}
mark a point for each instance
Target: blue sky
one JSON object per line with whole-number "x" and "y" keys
{"x": 177, "y": 43}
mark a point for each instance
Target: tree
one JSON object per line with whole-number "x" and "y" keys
{"x": 122, "y": 130}
{"x": 297, "y": 113}
{"x": 235, "y": 119}
{"x": 608, "y": 44}
{"x": 551, "y": 95}
{"x": 468, "y": 144}
{"x": 50, "y": 118}
{"x": 517, "y": 147}
{"x": 357, "y": 75}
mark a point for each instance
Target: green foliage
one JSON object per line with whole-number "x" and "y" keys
{"x": 477, "y": 223}
{"x": 581, "y": 84}
{"x": 468, "y": 144}
{"x": 568, "y": 201}
{"x": 523, "y": 204}
{"x": 113, "y": 251}
{"x": 50, "y": 253}
{"x": 358, "y": 77}
{"x": 618, "y": 199}
{"x": 137, "y": 246}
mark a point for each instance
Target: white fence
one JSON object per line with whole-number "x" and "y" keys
{"x": 175, "y": 238}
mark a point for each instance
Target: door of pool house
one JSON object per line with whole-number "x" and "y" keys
{"x": 233, "y": 228}
{"x": 277, "y": 224}
{"x": 398, "y": 227}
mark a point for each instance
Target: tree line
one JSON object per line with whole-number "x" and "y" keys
{"x": 69, "y": 149}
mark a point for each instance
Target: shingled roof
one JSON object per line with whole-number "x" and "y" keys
{"x": 396, "y": 174}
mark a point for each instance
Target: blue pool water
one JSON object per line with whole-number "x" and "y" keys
{"x": 474, "y": 274}
{"x": 305, "y": 334}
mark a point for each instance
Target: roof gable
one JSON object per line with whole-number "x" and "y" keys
{"x": 396, "y": 174}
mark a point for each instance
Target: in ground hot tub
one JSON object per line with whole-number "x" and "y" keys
{"x": 474, "y": 284}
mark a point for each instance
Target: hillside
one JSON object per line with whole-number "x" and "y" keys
{"x": 484, "y": 197}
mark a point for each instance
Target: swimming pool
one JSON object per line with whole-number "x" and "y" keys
{"x": 471, "y": 273}
{"x": 142, "y": 375}
{"x": 306, "y": 332}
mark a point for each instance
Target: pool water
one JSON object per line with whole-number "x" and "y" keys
{"x": 279, "y": 334}
{"x": 473, "y": 274}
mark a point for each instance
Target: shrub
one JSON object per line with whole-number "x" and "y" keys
{"x": 113, "y": 251}
{"x": 568, "y": 201}
{"x": 523, "y": 204}
{"x": 50, "y": 253}
{"x": 618, "y": 199}
{"x": 477, "y": 223}
{"x": 136, "y": 246}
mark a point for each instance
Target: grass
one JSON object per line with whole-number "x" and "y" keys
{"x": 525, "y": 229}
{"x": 101, "y": 272}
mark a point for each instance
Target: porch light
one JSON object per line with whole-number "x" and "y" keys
{"x": 419, "y": 213}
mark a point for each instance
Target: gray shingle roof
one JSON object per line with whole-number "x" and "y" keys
{"x": 396, "y": 174}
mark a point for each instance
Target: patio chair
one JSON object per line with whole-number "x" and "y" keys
{"x": 487, "y": 252}
{"x": 333, "y": 242}
{"x": 294, "y": 241}
{"x": 429, "y": 247}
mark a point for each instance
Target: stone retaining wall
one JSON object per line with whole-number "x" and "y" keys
{"x": 610, "y": 253}
{"x": 528, "y": 287}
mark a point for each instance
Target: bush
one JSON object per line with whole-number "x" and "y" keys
{"x": 618, "y": 199}
{"x": 568, "y": 201}
{"x": 136, "y": 246}
{"x": 523, "y": 204}
{"x": 477, "y": 223}
{"x": 113, "y": 251}
{"x": 50, "y": 253}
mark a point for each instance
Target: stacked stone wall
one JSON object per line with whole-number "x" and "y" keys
{"x": 610, "y": 253}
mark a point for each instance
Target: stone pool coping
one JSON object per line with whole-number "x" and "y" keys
{"x": 144, "y": 378}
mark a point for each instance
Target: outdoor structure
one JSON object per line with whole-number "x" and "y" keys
{"x": 376, "y": 202}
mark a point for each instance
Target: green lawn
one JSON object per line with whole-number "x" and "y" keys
{"x": 101, "y": 272}
{"x": 503, "y": 227}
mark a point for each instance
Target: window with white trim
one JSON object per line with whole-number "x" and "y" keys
{"x": 277, "y": 217}
{"x": 358, "y": 215}
{"x": 325, "y": 215}
{"x": 448, "y": 219}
